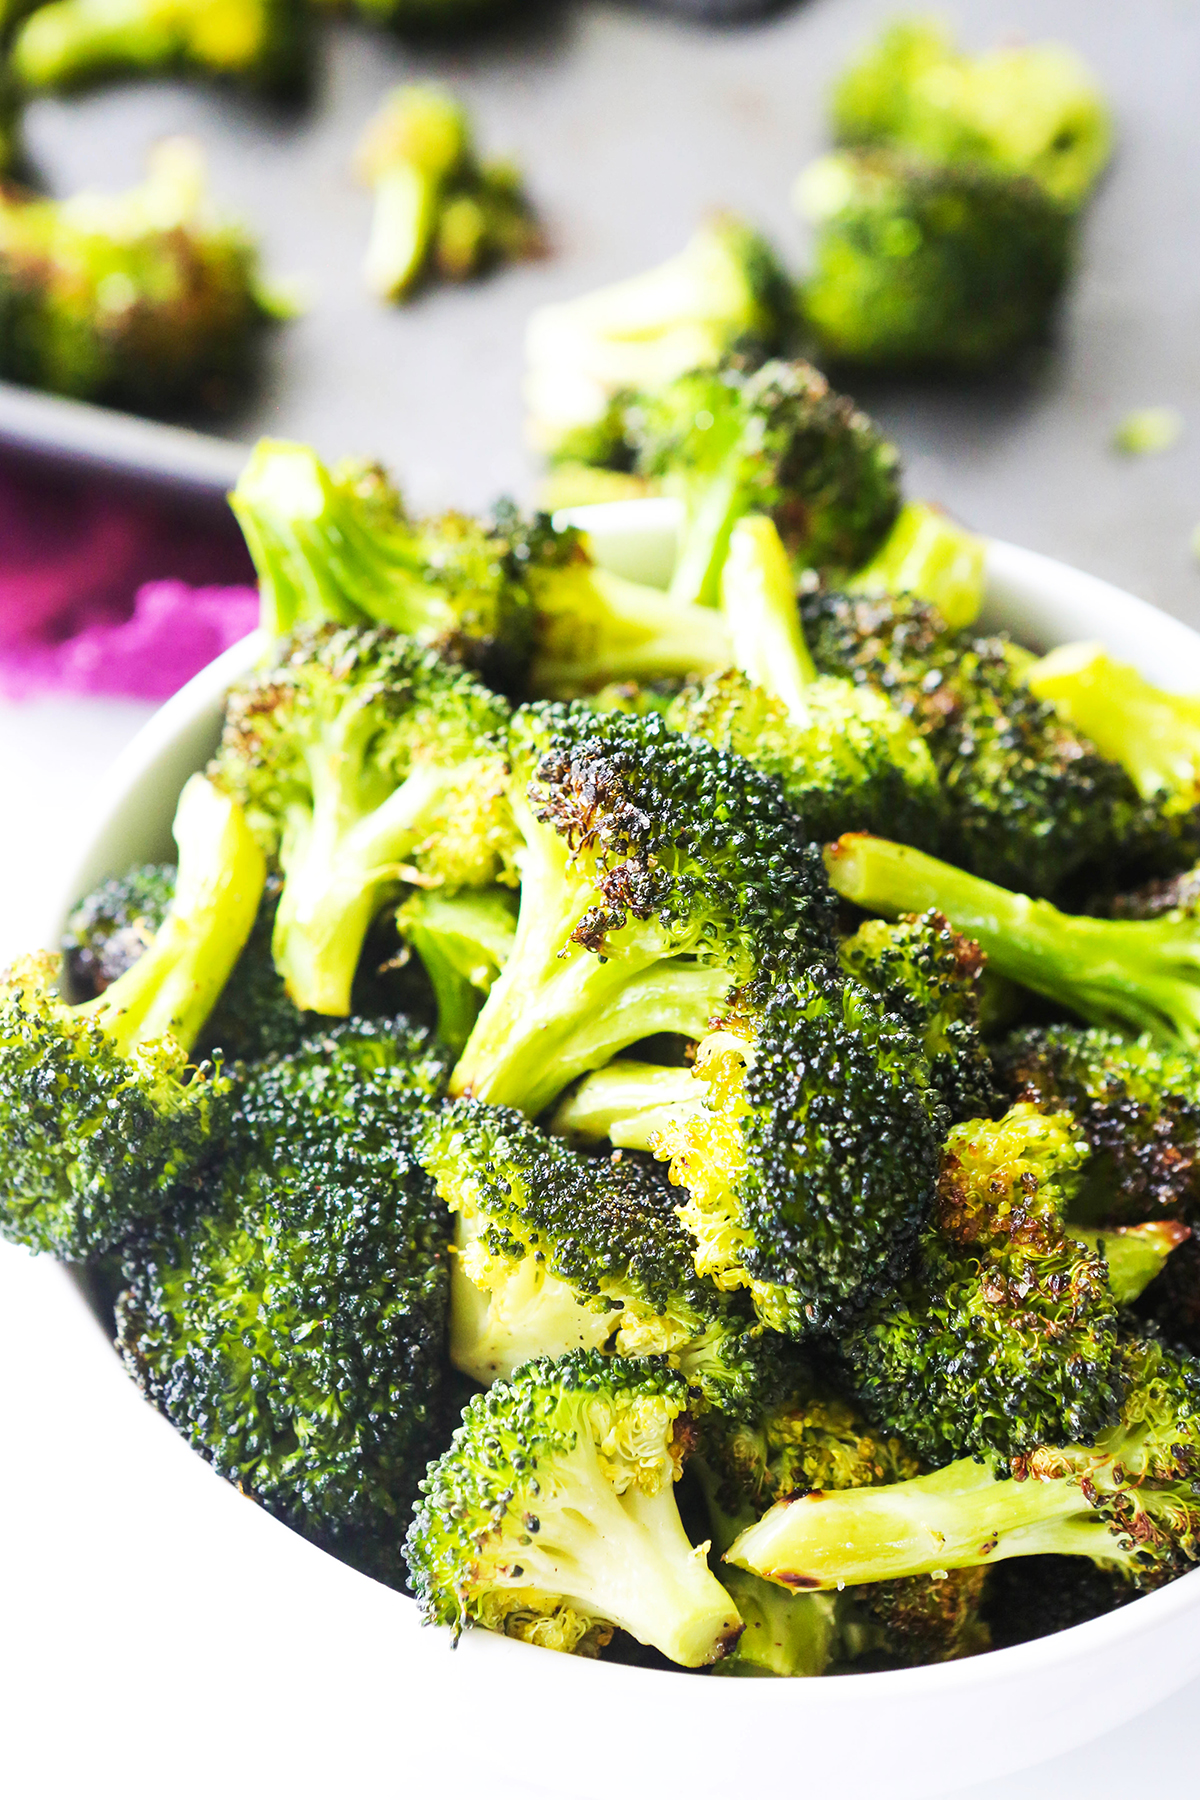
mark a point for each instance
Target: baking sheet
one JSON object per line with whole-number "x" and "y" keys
{"x": 629, "y": 126}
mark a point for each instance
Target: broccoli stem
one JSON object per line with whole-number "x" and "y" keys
{"x": 758, "y": 597}
{"x": 627, "y": 1103}
{"x": 176, "y": 982}
{"x": 1154, "y": 735}
{"x": 927, "y": 554}
{"x": 1135, "y": 1254}
{"x": 1123, "y": 973}
{"x": 463, "y": 941}
{"x": 956, "y": 1518}
{"x": 704, "y": 541}
{"x": 514, "y": 1312}
{"x": 595, "y": 627}
{"x": 407, "y": 202}
{"x": 785, "y": 1634}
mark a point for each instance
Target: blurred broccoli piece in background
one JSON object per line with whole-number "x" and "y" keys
{"x": 436, "y": 204}
{"x": 926, "y": 266}
{"x": 261, "y": 43}
{"x": 141, "y": 299}
{"x": 1032, "y": 109}
{"x": 725, "y": 292}
{"x": 426, "y": 18}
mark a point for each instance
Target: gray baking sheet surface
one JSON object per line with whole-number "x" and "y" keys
{"x": 630, "y": 126}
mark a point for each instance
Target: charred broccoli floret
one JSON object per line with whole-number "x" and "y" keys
{"x": 335, "y": 546}
{"x": 1126, "y": 974}
{"x": 362, "y": 762}
{"x": 926, "y": 553}
{"x": 724, "y": 292}
{"x": 1030, "y": 801}
{"x": 778, "y": 441}
{"x": 662, "y": 882}
{"x": 552, "y": 1516}
{"x": 1128, "y": 1501}
{"x": 292, "y": 1327}
{"x": 101, "y": 1115}
{"x": 920, "y": 265}
{"x": 463, "y": 941}
{"x": 1030, "y": 110}
{"x": 111, "y": 927}
{"x": 1004, "y": 1335}
{"x": 260, "y": 43}
{"x": 437, "y": 207}
{"x": 143, "y": 299}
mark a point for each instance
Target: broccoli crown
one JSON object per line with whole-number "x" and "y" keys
{"x": 811, "y": 1162}
{"x": 848, "y": 755}
{"x": 292, "y": 1327}
{"x": 362, "y": 761}
{"x": 335, "y": 545}
{"x": 1005, "y": 1334}
{"x": 1137, "y": 1104}
{"x": 662, "y": 883}
{"x": 261, "y": 43}
{"x": 1031, "y": 803}
{"x": 921, "y": 265}
{"x": 190, "y": 308}
{"x": 930, "y": 976}
{"x": 1030, "y": 110}
{"x": 94, "y": 1139}
{"x": 777, "y": 441}
{"x": 110, "y": 927}
{"x": 552, "y": 1516}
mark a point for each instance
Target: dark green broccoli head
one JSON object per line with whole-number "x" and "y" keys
{"x": 552, "y": 1516}
{"x": 1034, "y": 1596}
{"x": 923, "y": 265}
{"x": 777, "y": 441}
{"x": 1031, "y": 803}
{"x": 848, "y": 755}
{"x": 930, "y": 976}
{"x": 336, "y": 546}
{"x": 362, "y": 762}
{"x": 292, "y": 1327}
{"x": 662, "y": 882}
{"x": 1004, "y": 1336}
{"x": 111, "y": 927}
{"x": 262, "y": 44}
{"x": 139, "y": 300}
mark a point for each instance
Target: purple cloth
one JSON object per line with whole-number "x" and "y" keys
{"x": 96, "y": 586}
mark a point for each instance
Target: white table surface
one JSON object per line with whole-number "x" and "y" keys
{"x": 116, "y": 1540}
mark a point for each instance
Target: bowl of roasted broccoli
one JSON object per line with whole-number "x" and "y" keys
{"x": 631, "y": 1076}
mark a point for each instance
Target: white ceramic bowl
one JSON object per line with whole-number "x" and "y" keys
{"x": 544, "y": 1722}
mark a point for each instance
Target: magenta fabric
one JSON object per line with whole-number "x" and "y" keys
{"x": 108, "y": 590}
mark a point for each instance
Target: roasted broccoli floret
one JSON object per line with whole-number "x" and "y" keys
{"x": 1128, "y": 1501}
{"x": 362, "y": 762}
{"x": 1031, "y": 803}
{"x": 1004, "y": 1335}
{"x": 143, "y": 299}
{"x": 926, "y": 553}
{"x": 840, "y": 751}
{"x": 437, "y": 207}
{"x": 1127, "y": 974}
{"x": 931, "y": 977}
{"x": 929, "y": 266}
{"x": 808, "y": 1147}
{"x": 555, "y": 1251}
{"x": 662, "y": 882}
{"x": 463, "y": 941}
{"x": 335, "y": 546}
{"x": 292, "y": 1327}
{"x": 778, "y": 441}
{"x": 112, "y": 926}
{"x": 260, "y": 43}
{"x": 1030, "y": 110}
{"x": 101, "y": 1116}
{"x": 724, "y": 292}
{"x": 552, "y": 1516}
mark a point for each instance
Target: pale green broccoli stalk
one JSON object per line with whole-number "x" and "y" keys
{"x": 436, "y": 205}
{"x": 261, "y": 43}
{"x": 921, "y": 266}
{"x": 725, "y": 291}
{"x": 1135, "y": 1255}
{"x": 1127, "y": 1501}
{"x": 1130, "y": 974}
{"x": 552, "y": 1516}
{"x": 464, "y": 941}
{"x": 143, "y": 299}
{"x": 1033, "y": 109}
{"x": 363, "y": 763}
{"x": 100, "y": 1113}
{"x": 926, "y": 553}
